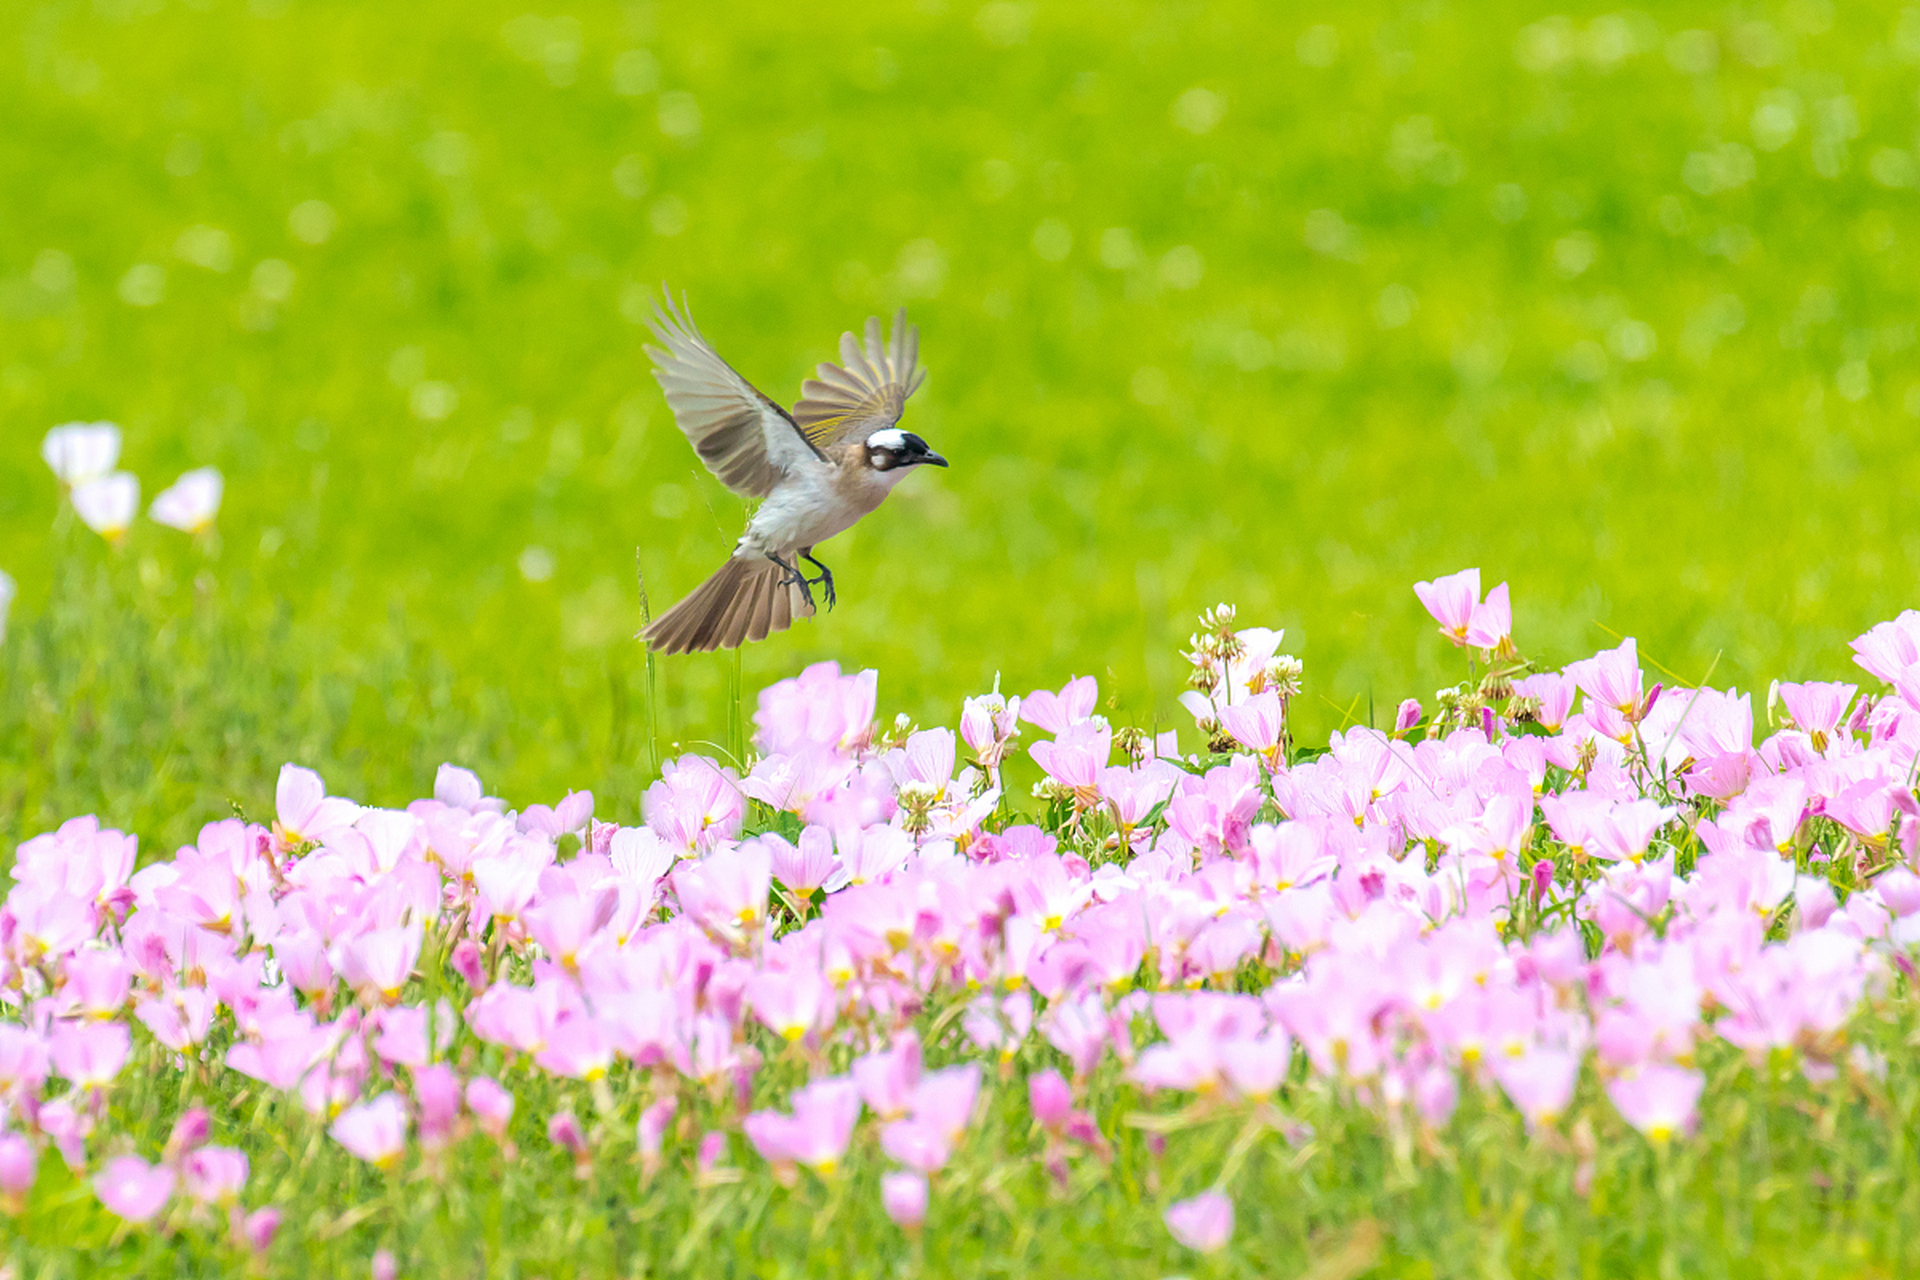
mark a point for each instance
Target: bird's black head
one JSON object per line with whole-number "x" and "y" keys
{"x": 893, "y": 449}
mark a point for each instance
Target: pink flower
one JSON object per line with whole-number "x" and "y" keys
{"x": 81, "y": 451}
{"x": 192, "y": 501}
{"x": 792, "y": 1001}
{"x": 1817, "y": 708}
{"x": 1258, "y": 723}
{"x": 375, "y": 1131}
{"x": 988, "y": 725}
{"x": 651, "y": 1133}
{"x": 1075, "y": 757}
{"x": 563, "y": 1130}
{"x": 904, "y": 1196}
{"x": 1204, "y": 1223}
{"x": 1058, "y": 712}
{"x": 19, "y": 1166}
{"x": 436, "y": 1095}
{"x": 573, "y": 813}
{"x": 1451, "y": 601}
{"x": 579, "y": 1048}
{"x": 1657, "y": 1100}
{"x": 491, "y": 1105}
{"x": 384, "y": 1265}
{"x": 107, "y": 504}
{"x": 817, "y": 1132}
{"x": 378, "y": 963}
{"x": 305, "y": 812}
{"x": 132, "y": 1189}
{"x": 1492, "y": 622}
{"x": 98, "y": 981}
{"x": 1407, "y": 716}
{"x": 727, "y": 893}
{"x": 805, "y": 866}
{"x": 1540, "y": 1082}
{"x": 89, "y": 1053}
{"x": 819, "y": 706}
{"x": 214, "y": 1174}
{"x": 257, "y": 1229}
{"x": 695, "y": 805}
{"x": 1050, "y": 1097}
{"x": 1612, "y": 679}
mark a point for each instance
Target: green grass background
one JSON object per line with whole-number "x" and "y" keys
{"x": 1282, "y": 305}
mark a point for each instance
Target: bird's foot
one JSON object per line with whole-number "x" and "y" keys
{"x": 824, "y": 581}
{"x": 794, "y": 578}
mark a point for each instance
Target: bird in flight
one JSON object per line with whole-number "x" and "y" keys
{"x": 817, "y": 470}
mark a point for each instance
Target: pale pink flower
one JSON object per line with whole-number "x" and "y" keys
{"x": 491, "y": 1105}
{"x": 727, "y": 893}
{"x": 564, "y": 1131}
{"x": 81, "y": 451}
{"x": 695, "y": 805}
{"x": 817, "y": 1132}
{"x": 1203, "y": 1223}
{"x": 1658, "y": 1100}
{"x": 819, "y": 706}
{"x": 639, "y": 853}
{"x": 1258, "y": 723}
{"x": 191, "y": 503}
{"x": 904, "y": 1196}
{"x": 376, "y": 1131}
{"x": 1058, "y": 712}
{"x": 1076, "y": 755}
{"x": 805, "y": 866}
{"x": 19, "y": 1167}
{"x": 304, "y": 810}
{"x": 214, "y": 1174}
{"x": 90, "y": 1054}
{"x": 107, "y": 504}
{"x": 132, "y": 1189}
{"x": 257, "y": 1229}
{"x": 1612, "y": 678}
{"x": 1451, "y": 600}
{"x": 1817, "y": 708}
{"x": 384, "y": 1266}
{"x": 1050, "y": 1097}
{"x": 1540, "y": 1082}
{"x": 988, "y": 725}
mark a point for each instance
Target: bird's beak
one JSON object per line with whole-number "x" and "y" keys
{"x": 935, "y": 459}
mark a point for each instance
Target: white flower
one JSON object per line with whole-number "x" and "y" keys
{"x": 108, "y": 503}
{"x": 192, "y": 503}
{"x": 7, "y": 592}
{"x": 81, "y": 451}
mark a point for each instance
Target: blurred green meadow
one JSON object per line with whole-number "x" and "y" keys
{"x": 1278, "y": 305}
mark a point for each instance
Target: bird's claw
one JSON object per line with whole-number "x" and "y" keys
{"x": 824, "y": 581}
{"x": 795, "y": 578}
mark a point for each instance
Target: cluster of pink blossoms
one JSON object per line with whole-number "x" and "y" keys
{"x": 1414, "y": 908}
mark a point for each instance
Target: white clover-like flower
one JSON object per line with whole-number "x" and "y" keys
{"x": 108, "y": 503}
{"x": 192, "y": 502}
{"x": 81, "y": 451}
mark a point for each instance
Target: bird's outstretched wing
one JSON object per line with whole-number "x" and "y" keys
{"x": 865, "y": 393}
{"x": 745, "y": 439}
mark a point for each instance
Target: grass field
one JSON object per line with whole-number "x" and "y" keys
{"x": 1220, "y": 301}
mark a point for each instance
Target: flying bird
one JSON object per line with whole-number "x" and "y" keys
{"x": 817, "y": 470}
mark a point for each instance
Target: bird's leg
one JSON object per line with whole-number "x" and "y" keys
{"x": 794, "y": 578}
{"x": 826, "y": 575}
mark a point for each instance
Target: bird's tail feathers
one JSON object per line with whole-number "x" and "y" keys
{"x": 748, "y": 598}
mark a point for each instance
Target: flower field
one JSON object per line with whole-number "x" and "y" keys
{"x": 371, "y": 905}
{"x": 1598, "y": 973}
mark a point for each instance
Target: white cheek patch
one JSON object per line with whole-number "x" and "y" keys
{"x": 892, "y": 439}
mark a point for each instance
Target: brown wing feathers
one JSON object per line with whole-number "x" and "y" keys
{"x": 867, "y": 390}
